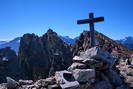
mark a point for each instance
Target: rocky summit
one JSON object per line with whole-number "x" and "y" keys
{"x": 103, "y": 42}
{"x": 49, "y": 63}
{"x": 40, "y": 57}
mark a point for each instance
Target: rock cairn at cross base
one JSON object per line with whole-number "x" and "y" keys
{"x": 92, "y": 69}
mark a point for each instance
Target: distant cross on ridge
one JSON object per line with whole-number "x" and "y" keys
{"x": 91, "y": 22}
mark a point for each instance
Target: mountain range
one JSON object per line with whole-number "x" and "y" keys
{"x": 40, "y": 57}
{"x": 14, "y": 44}
{"x": 127, "y": 41}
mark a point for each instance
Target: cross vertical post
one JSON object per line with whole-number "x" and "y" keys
{"x": 91, "y": 22}
{"x": 92, "y": 35}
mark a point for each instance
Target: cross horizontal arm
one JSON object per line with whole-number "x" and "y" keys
{"x": 85, "y": 21}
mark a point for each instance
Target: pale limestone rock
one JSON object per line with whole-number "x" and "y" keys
{"x": 78, "y": 59}
{"x": 11, "y": 83}
{"x": 66, "y": 80}
{"x": 76, "y": 65}
{"x": 84, "y": 75}
{"x": 100, "y": 54}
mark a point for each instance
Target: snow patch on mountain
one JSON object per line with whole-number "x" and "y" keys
{"x": 14, "y": 44}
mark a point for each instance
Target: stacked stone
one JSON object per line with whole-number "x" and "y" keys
{"x": 88, "y": 68}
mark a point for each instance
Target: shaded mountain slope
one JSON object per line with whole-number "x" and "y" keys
{"x": 102, "y": 41}
{"x": 42, "y": 56}
{"x": 8, "y": 64}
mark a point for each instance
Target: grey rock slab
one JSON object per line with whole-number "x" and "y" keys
{"x": 84, "y": 75}
{"x": 54, "y": 87}
{"x": 25, "y": 82}
{"x": 11, "y": 83}
{"x": 100, "y": 54}
{"x": 65, "y": 80}
{"x": 76, "y": 65}
{"x": 78, "y": 59}
{"x": 70, "y": 85}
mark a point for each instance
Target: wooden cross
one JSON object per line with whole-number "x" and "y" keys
{"x": 91, "y": 22}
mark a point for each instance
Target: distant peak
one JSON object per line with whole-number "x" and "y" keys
{"x": 50, "y": 31}
{"x": 129, "y": 37}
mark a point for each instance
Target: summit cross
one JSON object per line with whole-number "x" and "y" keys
{"x": 91, "y": 22}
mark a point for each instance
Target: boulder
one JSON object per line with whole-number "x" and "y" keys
{"x": 11, "y": 83}
{"x": 89, "y": 61}
{"x": 99, "y": 54}
{"x": 129, "y": 71}
{"x": 45, "y": 82}
{"x": 25, "y": 82}
{"x": 61, "y": 76}
{"x": 84, "y": 75}
{"x": 40, "y": 83}
{"x": 70, "y": 85}
{"x": 76, "y": 65}
{"x": 55, "y": 86}
{"x": 66, "y": 80}
{"x": 95, "y": 64}
{"x": 78, "y": 59}
{"x": 50, "y": 80}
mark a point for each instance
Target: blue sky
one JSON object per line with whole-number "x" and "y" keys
{"x": 18, "y": 17}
